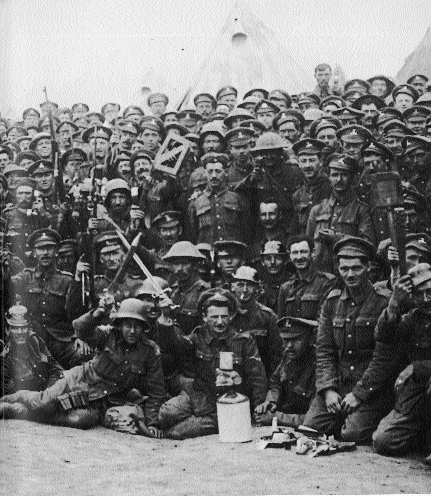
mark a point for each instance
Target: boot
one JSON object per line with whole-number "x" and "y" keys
{"x": 13, "y": 411}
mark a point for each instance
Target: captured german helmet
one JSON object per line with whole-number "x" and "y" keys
{"x": 147, "y": 287}
{"x": 17, "y": 315}
{"x": 131, "y": 308}
{"x": 273, "y": 248}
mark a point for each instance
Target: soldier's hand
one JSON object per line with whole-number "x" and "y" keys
{"x": 81, "y": 268}
{"x": 38, "y": 204}
{"x": 257, "y": 171}
{"x": 94, "y": 224}
{"x": 144, "y": 430}
{"x": 136, "y": 213}
{"x": 393, "y": 257}
{"x": 405, "y": 375}
{"x": 350, "y": 403}
{"x": 165, "y": 305}
{"x": 154, "y": 432}
{"x": 402, "y": 290}
{"x": 196, "y": 194}
{"x": 5, "y": 258}
{"x": 264, "y": 418}
{"x": 82, "y": 347}
{"x": 332, "y": 401}
{"x": 106, "y": 303}
{"x": 326, "y": 235}
{"x": 383, "y": 246}
{"x": 265, "y": 406}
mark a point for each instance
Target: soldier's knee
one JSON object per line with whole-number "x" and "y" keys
{"x": 13, "y": 411}
{"x": 169, "y": 414}
{"x": 353, "y": 434}
{"x": 175, "y": 410}
{"x": 384, "y": 443}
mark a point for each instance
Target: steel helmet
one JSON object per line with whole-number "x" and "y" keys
{"x": 184, "y": 249}
{"x": 147, "y": 287}
{"x": 114, "y": 185}
{"x": 269, "y": 141}
{"x": 212, "y": 128}
{"x": 132, "y": 308}
{"x": 246, "y": 273}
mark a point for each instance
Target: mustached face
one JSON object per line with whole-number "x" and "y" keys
{"x": 300, "y": 255}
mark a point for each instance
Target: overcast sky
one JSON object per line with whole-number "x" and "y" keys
{"x": 101, "y": 50}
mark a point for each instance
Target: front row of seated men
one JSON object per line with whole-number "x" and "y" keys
{"x": 146, "y": 376}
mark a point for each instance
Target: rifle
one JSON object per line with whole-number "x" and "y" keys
{"x": 59, "y": 193}
{"x": 87, "y": 280}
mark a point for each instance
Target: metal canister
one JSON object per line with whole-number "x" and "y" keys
{"x": 234, "y": 418}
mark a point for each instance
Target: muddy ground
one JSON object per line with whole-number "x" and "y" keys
{"x": 44, "y": 460}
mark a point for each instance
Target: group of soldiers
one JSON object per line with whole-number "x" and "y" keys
{"x": 294, "y": 234}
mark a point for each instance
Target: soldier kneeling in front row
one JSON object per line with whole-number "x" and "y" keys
{"x": 292, "y": 384}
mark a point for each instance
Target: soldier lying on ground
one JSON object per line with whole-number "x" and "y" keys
{"x": 125, "y": 360}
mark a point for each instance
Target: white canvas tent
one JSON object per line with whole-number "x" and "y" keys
{"x": 419, "y": 61}
{"x": 248, "y": 55}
